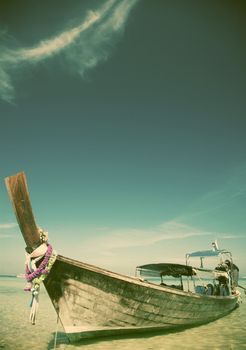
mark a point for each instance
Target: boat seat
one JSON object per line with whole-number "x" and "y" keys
{"x": 200, "y": 289}
{"x": 210, "y": 289}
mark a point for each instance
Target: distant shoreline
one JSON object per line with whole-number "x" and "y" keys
{"x": 21, "y": 275}
{"x": 8, "y": 275}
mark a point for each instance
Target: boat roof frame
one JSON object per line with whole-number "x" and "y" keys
{"x": 166, "y": 269}
{"x": 209, "y": 254}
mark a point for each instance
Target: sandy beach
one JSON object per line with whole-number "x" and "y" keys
{"x": 17, "y": 333}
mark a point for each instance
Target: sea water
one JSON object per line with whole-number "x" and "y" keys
{"x": 16, "y": 332}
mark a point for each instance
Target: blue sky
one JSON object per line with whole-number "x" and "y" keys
{"x": 128, "y": 118}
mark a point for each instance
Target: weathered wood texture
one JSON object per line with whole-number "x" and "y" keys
{"x": 19, "y": 196}
{"x": 94, "y": 302}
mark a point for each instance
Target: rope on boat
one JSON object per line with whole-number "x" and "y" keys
{"x": 242, "y": 288}
{"x": 34, "y": 307}
{"x": 55, "y": 339}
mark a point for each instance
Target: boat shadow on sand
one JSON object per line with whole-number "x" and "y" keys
{"x": 62, "y": 339}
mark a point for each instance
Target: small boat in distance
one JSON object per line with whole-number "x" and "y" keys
{"x": 94, "y": 302}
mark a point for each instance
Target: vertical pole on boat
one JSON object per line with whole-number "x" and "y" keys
{"x": 186, "y": 260}
{"x": 181, "y": 282}
{"x": 55, "y": 339}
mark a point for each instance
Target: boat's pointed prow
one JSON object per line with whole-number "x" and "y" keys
{"x": 19, "y": 196}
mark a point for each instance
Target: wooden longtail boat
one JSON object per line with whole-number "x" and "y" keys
{"x": 93, "y": 302}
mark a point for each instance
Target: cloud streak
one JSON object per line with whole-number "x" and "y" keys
{"x": 126, "y": 238}
{"x": 231, "y": 190}
{"x": 232, "y": 236}
{"x": 84, "y": 45}
{"x": 8, "y": 225}
{"x": 120, "y": 249}
{"x": 5, "y": 235}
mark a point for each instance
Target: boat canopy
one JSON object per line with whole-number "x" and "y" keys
{"x": 207, "y": 253}
{"x": 165, "y": 269}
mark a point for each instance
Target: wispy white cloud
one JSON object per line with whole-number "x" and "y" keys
{"x": 230, "y": 191}
{"x": 4, "y": 236}
{"x": 120, "y": 249}
{"x": 232, "y": 236}
{"x": 52, "y": 46}
{"x": 8, "y": 225}
{"x": 132, "y": 237}
{"x": 85, "y": 45}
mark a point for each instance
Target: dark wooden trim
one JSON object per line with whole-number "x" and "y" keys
{"x": 19, "y": 196}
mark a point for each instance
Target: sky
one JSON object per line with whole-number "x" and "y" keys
{"x": 128, "y": 119}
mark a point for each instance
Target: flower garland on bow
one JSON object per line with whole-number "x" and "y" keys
{"x": 36, "y": 275}
{"x": 42, "y": 269}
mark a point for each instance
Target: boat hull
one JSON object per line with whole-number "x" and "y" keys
{"x": 93, "y": 302}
